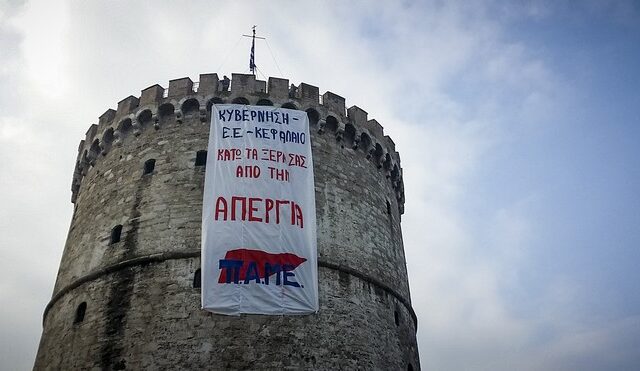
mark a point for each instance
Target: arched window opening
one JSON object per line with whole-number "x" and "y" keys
{"x": 197, "y": 279}
{"x": 125, "y": 126}
{"x": 107, "y": 137}
{"x": 212, "y": 101}
{"x": 264, "y": 102}
{"x": 378, "y": 155}
{"x": 95, "y": 146}
{"x": 388, "y": 208}
{"x": 144, "y": 117}
{"x": 149, "y": 166}
{"x": 289, "y": 105}
{"x": 365, "y": 142}
{"x": 314, "y": 116}
{"x": 240, "y": 100}
{"x": 165, "y": 110}
{"x": 332, "y": 123}
{"x": 190, "y": 106}
{"x": 80, "y": 312}
{"x": 116, "y": 232}
{"x": 84, "y": 160}
{"x": 349, "y": 135}
{"x": 409, "y": 367}
{"x": 387, "y": 162}
{"x": 201, "y": 158}
{"x": 94, "y": 150}
{"x": 395, "y": 173}
{"x": 396, "y": 317}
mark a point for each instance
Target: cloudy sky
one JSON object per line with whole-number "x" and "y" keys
{"x": 518, "y": 128}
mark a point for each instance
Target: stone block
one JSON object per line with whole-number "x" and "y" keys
{"x": 242, "y": 84}
{"x": 151, "y": 95}
{"x": 375, "y": 128}
{"x": 357, "y": 115}
{"x": 208, "y": 84}
{"x": 127, "y": 105}
{"x": 180, "y": 87}
{"x": 309, "y": 94}
{"x": 106, "y": 117}
{"x": 278, "y": 88}
{"x": 333, "y": 102}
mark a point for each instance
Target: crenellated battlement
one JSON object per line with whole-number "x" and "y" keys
{"x": 327, "y": 116}
{"x": 133, "y": 250}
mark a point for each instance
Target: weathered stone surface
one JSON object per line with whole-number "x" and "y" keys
{"x": 142, "y": 311}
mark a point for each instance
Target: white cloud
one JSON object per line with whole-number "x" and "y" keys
{"x": 407, "y": 64}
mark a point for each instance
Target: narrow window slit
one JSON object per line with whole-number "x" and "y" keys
{"x": 80, "y": 312}
{"x": 115, "y": 234}
{"x": 197, "y": 279}
{"x": 149, "y": 166}
{"x": 201, "y": 158}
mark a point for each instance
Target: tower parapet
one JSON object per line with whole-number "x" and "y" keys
{"x": 127, "y": 292}
{"x": 328, "y": 116}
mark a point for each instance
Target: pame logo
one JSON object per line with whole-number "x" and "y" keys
{"x": 244, "y": 266}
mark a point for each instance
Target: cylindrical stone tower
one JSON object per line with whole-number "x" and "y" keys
{"x": 127, "y": 293}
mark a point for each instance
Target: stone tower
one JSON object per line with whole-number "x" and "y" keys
{"x": 127, "y": 296}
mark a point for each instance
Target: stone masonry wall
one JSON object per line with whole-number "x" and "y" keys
{"x": 141, "y": 308}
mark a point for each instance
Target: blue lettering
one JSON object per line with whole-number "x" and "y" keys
{"x": 252, "y": 273}
{"x": 269, "y": 270}
{"x": 287, "y": 272}
{"x": 233, "y": 269}
{"x": 261, "y": 132}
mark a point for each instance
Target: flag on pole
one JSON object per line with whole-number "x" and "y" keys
{"x": 252, "y": 58}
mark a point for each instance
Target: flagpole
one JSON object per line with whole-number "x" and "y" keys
{"x": 252, "y": 59}
{"x": 252, "y": 56}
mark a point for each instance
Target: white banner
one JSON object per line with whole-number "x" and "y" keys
{"x": 259, "y": 252}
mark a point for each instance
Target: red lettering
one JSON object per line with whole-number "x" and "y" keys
{"x": 251, "y": 209}
{"x": 229, "y": 154}
{"x": 297, "y": 211}
{"x": 252, "y": 153}
{"x": 297, "y": 160}
{"x": 234, "y": 200}
{"x": 221, "y": 207}
{"x": 268, "y": 208}
{"x": 247, "y": 171}
{"x": 278, "y": 203}
{"x": 253, "y": 218}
